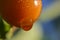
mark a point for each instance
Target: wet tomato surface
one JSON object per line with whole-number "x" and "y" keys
{"x": 21, "y": 13}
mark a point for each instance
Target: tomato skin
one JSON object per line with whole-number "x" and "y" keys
{"x": 21, "y": 13}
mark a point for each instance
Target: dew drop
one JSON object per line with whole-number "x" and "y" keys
{"x": 19, "y": 1}
{"x": 27, "y": 25}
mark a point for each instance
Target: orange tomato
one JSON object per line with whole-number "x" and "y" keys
{"x": 21, "y": 13}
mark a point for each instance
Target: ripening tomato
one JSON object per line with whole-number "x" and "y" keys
{"x": 21, "y": 13}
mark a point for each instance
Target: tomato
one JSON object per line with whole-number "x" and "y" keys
{"x": 21, "y": 13}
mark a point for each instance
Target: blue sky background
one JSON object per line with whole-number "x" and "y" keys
{"x": 47, "y": 2}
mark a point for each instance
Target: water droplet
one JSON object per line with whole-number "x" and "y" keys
{"x": 27, "y": 6}
{"x": 19, "y": 1}
{"x": 26, "y": 24}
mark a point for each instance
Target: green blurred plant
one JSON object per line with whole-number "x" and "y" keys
{"x": 4, "y": 28}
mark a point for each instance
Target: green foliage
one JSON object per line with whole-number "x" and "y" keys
{"x": 6, "y": 25}
{"x": 4, "y": 28}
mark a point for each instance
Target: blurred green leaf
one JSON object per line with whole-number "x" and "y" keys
{"x": 6, "y": 25}
{"x": 4, "y": 28}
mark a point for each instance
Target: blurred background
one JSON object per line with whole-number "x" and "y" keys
{"x": 47, "y": 27}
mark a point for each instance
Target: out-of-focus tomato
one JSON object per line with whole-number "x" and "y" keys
{"x": 21, "y": 13}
